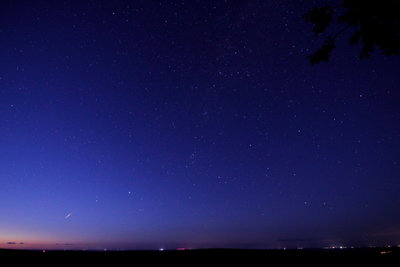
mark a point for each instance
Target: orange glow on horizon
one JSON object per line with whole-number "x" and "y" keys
{"x": 37, "y": 242}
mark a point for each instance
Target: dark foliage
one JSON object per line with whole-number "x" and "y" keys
{"x": 374, "y": 24}
{"x": 320, "y": 17}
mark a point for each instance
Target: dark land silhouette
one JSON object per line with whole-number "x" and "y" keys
{"x": 383, "y": 255}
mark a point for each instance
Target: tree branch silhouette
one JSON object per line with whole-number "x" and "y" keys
{"x": 375, "y": 24}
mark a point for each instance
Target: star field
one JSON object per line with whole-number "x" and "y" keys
{"x": 149, "y": 124}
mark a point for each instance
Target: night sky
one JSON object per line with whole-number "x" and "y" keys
{"x": 196, "y": 124}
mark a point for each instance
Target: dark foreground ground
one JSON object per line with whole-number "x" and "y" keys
{"x": 375, "y": 256}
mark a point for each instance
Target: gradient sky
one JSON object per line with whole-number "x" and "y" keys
{"x": 148, "y": 124}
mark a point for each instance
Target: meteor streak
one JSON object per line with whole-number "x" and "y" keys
{"x": 70, "y": 214}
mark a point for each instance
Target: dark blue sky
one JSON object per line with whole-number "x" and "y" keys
{"x": 148, "y": 124}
